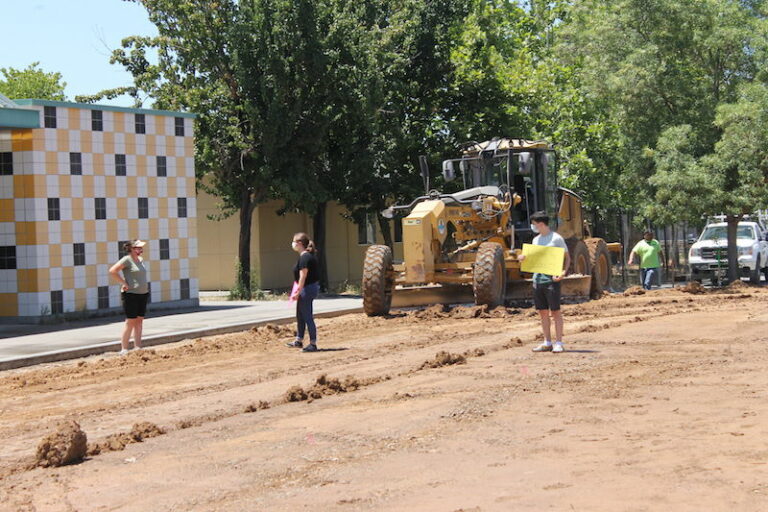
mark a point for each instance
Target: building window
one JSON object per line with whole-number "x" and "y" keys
{"x": 6, "y": 163}
{"x": 78, "y": 251}
{"x": 181, "y": 205}
{"x": 49, "y": 117}
{"x": 140, "y": 124}
{"x": 100, "y": 204}
{"x": 120, "y": 166}
{"x": 75, "y": 163}
{"x": 179, "y": 122}
{"x": 165, "y": 249}
{"x": 366, "y": 232}
{"x": 184, "y": 287}
{"x": 57, "y": 302}
{"x": 7, "y": 257}
{"x": 143, "y": 208}
{"x": 54, "y": 208}
{"x": 162, "y": 166}
{"x": 103, "y": 292}
{"x": 121, "y": 248}
{"x": 97, "y": 120}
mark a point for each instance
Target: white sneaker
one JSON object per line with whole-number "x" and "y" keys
{"x": 544, "y": 347}
{"x": 124, "y": 352}
{"x": 558, "y": 347}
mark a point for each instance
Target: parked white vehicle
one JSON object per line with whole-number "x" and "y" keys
{"x": 708, "y": 257}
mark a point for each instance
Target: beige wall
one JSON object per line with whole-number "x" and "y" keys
{"x": 271, "y": 255}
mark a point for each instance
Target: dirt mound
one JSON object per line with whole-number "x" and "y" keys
{"x": 271, "y": 332}
{"x": 443, "y": 358}
{"x": 634, "y": 290}
{"x": 67, "y": 444}
{"x": 513, "y": 343}
{"x": 325, "y": 386}
{"x": 438, "y": 311}
{"x": 693, "y": 287}
{"x": 117, "y": 442}
{"x": 260, "y": 406}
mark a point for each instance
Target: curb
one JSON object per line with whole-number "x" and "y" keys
{"x": 151, "y": 341}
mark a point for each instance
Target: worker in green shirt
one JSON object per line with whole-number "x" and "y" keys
{"x": 648, "y": 250}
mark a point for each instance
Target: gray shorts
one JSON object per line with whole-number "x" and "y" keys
{"x": 547, "y": 296}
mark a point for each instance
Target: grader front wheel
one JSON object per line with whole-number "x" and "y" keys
{"x": 489, "y": 279}
{"x": 377, "y": 280}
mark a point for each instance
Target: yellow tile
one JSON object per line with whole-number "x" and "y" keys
{"x": 98, "y": 164}
{"x": 112, "y": 229}
{"x": 175, "y": 269}
{"x": 131, "y": 186}
{"x": 25, "y": 233}
{"x": 62, "y": 140}
{"x": 91, "y": 279}
{"x": 88, "y": 186}
{"x": 7, "y": 212}
{"x": 90, "y": 231}
{"x": 21, "y": 140}
{"x": 86, "y": 141}
{"x": 183, "y": 249}
{"x": 151, "y": 143}
{"x": 80, "y": 299}
{"x": 173, "y": 227}
{"x": 65, "y": 187}
{"x": 119, "y": 118}
{"x": 77, "y": 207}
{"x": 110, "y": 185}
{"x": 41, "y": 233}
{"x": 68, "y": 274}
{"x": 65, "y": 227}
{"x": 9, "y": 305}
{"x": 23, "y": 185}
{"x": 189, "y": 147}
{"x": 154, "y": 229}
{"x": 130, "y": 143}
{"x": 74, "y": 118}
{"x": 166, "y": 291}
{"x": 141, "y": 165}
{"x": 54, "y": 255}
{"x": 160, "y": 125}
{"x": 28, "y": 279}
{"x": 109, "y": 147}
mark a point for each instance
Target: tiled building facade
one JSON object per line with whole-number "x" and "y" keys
{"x": 75, "y": 182}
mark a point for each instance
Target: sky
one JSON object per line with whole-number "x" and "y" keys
{"x": 74, "y": 38}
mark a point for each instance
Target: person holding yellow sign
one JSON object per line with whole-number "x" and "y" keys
{"x": 546, "y": 281}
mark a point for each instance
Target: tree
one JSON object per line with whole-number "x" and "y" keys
{"x": 32, "y": 82}
{"x": 238, "y": 66}
{"x": 732, "y": 179}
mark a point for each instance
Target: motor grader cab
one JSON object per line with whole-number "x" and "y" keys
{"x": 463, "y": 246}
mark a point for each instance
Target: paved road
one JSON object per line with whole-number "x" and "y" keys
{"x": 30, "y": 341}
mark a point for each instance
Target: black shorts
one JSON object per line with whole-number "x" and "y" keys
{"x": 547, "y": 296}
{"x": 135, "y": 304}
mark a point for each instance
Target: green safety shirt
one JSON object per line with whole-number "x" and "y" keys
{"x": 648, "y": 253}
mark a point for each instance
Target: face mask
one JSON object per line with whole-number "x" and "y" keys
{"x": 294, "y": 245}
{"x": 534, "y": 228}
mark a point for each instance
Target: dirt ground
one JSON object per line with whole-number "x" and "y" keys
{"x": 659, "y": 403}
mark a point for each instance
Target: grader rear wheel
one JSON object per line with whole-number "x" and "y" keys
{"x": 580, "y": 262}
{"x": 377, "y": 280}
{"x": 489, "y": 279}
{"x": 600, "y": 261}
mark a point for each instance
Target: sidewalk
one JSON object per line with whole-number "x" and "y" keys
{"x": 25, "y": 345}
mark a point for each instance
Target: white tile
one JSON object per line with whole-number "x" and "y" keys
{"x": 92, "y": 298}
{"x": 175, "y": 290}
{"x": 192, "y": 247}
{"x": 181, "y": 188}
{"x": 78, "y": 230}
{"x": 19, "y": 166}
{"x": 174, "y": 248}
{"x": 171, "y": 167}
{"x": 122, "y": 229}
{"x": 65, "y": 207}
{"x": 143, "y": 229}
{"x": 130, "y": 123}
{"x": 109, "y": 121}
{"x": 130, "y": 161}
{"x": 182, "y": 226}
{"x": 156, "y": 293}
{"x": 80, "y": 281}
{"x": 62, "y": 119}
{"x": 102, "y": 275}
{"x": 101, "y": 231}
{"x": 151, "y": 127}
{"x": 154, "y": 210}
{"x": 9, "y": 281}
{"x": 69, "y": 301}
{"x": 141, "y": 186}
{"x": 88, "y": 164}
{"x": 26, "y": 256}
{"x": 192, "y": 207}
{"x": 114, "y": 296}
{"x": 120, "y": 143}
{"x": 194, "y": 288}
{"x": 51, "y": 143}
{"x": 165, "y": 270}
{"x": 133, "y": 208}
{"x": 97, "y": 142}
{"x": 89, "y": 208}
{"x": 62, "y": 160}
{"x": 74, "y": 141}
{"x": 20, "y": 209}
{"x": 5, "y": 141}
{"x": 42, "y": 256}
{"x": 6, "y": 187}
{"x": 121, "y": 187}
{"x": 163, "y": 228}
{"x": 54, "y": 275}
{"x": 7, "y": 233}
{"x": 189, "y": 164}
{"x": 54, "y": 233}
{"x": 99, "y": 186}
{"x": 160, "y": 142}
{"x": 67, "y": 256}
{"x": 141, "y": 144}
{"x": 76, "y": 186}
{"x": 184, "y": 268}
{"x": 52, "y": 185}
{"x": 91, "y": 257}
{"x": 162, "y": 188}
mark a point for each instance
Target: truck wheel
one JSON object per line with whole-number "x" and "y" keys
{"x": 754, "y": 276}
{"x": 378, "y": 282}
{"x": 580, "y": 263}
{"x": 600, "y": 262}
{"x": 489, "y": 278}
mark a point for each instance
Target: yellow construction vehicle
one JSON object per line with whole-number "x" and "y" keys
{"x": 473, "y": 237}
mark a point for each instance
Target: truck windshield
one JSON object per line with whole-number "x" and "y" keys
{"x": 721, "y": 233}
{"x": 481, "y": 173}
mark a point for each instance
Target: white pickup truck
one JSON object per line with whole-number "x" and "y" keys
{"x": 708, "y": 256}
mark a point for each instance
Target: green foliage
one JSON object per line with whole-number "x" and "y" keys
{"x": 31, "y": 82}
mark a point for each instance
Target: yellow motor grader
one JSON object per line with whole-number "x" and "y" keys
{"x": 473, "y": 237}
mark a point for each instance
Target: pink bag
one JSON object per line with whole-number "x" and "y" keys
{"x": 294, "y": 295}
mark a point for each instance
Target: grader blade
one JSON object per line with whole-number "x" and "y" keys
{"x": 573, "y": 288}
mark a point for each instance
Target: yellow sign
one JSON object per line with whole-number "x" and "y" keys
{"x": 543, "y": 260}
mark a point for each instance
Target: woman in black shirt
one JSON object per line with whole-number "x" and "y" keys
{"x": 307, "y": 278}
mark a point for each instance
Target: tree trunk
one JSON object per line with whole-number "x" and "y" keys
{"x": 318, "y": 236}
{"x": 385, "y": 231}
{"x": 733, "y": 249}
{"x": 247, "y": 206}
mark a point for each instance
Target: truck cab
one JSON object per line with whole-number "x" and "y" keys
{"x": 708, "y": 256}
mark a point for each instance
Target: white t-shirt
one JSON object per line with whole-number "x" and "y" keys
{"x": 551, "y": 239}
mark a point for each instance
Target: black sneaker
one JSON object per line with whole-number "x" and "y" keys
{"x": 310, "y": 348}
{"x": 295, "y": 344}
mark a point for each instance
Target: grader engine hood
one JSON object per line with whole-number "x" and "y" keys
{"x": 424, "y": 230}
